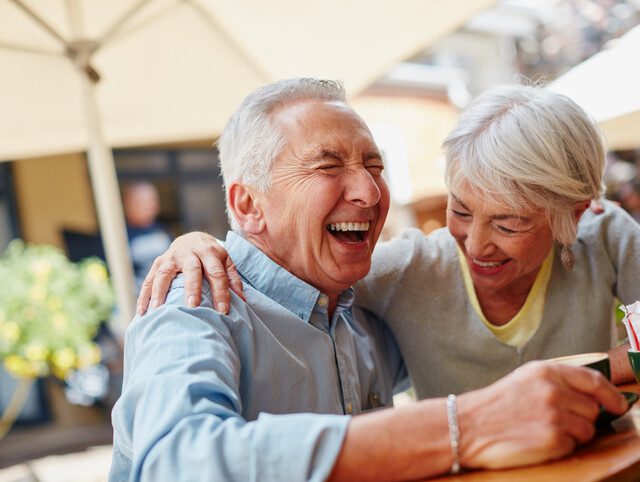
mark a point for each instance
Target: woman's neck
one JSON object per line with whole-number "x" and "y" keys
{"x": 500, "y": 306}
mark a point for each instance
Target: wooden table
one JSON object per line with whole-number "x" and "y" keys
{"x": 613, "y": 455}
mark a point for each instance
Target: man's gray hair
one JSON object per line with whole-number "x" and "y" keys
{"x": 529, "y": 148}
{"x": 251, "y": 140}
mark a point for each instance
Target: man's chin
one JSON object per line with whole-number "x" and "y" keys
{"x": 349, "y": 274}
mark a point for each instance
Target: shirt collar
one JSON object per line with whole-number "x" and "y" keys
{"x": 270, "y": 278}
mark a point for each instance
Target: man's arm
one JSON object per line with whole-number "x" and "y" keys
{"x": 539, "y": 412}
{"x": 179, "y": 417}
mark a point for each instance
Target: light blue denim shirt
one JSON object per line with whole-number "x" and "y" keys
{"x": 263, "y": 393}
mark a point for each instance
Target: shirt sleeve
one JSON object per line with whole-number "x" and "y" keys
{"x": 179, "y": 416}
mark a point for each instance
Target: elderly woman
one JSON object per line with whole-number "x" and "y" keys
{"x": 523, "y": 271}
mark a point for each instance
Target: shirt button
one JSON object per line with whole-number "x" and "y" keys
{"x": 323, "y": 301}
{"x": 349, "y": 408}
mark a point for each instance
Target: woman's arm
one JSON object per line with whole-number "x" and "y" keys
{"x": 620, "y": 368}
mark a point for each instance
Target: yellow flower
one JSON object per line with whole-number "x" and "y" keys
{"x": 38, "y": 292}
{"x": 36, "y": 352}
{"x": 41, "y": 268}
{"x": 89, "y": 355}
{"x": 97, "y": 272}
{"x": 54, "y": 303}
{"x": 29, "y": 313}
{"x": 10, "y": 331}
{"x": 20, "y": 367}
{"x": 63, "y": 360}
{"x": 60, "y": 320}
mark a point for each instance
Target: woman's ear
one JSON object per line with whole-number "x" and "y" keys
{"x": 245, "y": 205}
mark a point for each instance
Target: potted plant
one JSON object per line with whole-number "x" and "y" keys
{"x": 50, "y": 310}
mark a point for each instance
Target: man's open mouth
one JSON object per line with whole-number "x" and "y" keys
{"x": 349, "y": 232}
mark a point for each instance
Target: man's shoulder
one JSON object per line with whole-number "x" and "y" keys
{"x": 175, "y": 312}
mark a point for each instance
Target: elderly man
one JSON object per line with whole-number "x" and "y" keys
{"x": 276, "y": 389}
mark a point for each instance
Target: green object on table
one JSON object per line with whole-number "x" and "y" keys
{"x": 634, "y": 359}
{"x": 605, "y": 418}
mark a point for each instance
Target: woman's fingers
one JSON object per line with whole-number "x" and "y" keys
{"x": 192, "y": 271}
{"x": 234, "y": 278}
{"x": 145, "y": 291}
{"x": 166, "y": 271}
{"x": 198, "y": 256}
{"x": 216, "y": 274}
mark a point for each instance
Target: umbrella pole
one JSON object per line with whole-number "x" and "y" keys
{"x": 109, "y": 207}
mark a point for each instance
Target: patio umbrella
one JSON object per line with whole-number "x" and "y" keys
{"x": 79, "y": 75}
{"x": 607, "y": 86}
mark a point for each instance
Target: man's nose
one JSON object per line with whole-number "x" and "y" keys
{"x": 361, "y": 188}
{"x": 478, "y": 242}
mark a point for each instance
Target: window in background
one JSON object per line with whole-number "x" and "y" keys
{"x": 8, "y": 218}
{"x": 189, "y": 184}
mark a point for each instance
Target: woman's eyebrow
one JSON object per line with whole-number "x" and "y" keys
{"x": 459, "y": 201}
{"x": 502, "y": 217}
{"x": 497, "y": 217}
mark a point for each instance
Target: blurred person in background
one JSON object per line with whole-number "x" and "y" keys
{"x": 147, "y": 238}
{"x": 629, "y": 195}
{"x": 267, "y": 391}
{"x": 524, "y": 271}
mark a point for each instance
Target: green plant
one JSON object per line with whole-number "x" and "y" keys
{"x": 50, "y": 310}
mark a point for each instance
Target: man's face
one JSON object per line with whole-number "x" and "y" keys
{"x": 328, "y": 199}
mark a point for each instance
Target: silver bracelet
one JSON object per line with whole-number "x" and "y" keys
{"x": 454, "y": 432}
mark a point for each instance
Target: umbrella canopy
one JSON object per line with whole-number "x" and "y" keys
{"x": 79, "y": 75}
{"x": 607, "y": 86}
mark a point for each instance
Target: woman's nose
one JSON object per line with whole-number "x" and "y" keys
{"x": 478, "y": 241}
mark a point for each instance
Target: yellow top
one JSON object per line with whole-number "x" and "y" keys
{"x": 519, "y": 330}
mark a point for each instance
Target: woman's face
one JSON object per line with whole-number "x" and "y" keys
{"x": 504, "y": 249}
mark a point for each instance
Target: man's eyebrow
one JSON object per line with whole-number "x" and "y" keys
{"x": 323, "y": 152}
{"x": 497, "y": 217}
{"x": 340, "y": 154}
{"x": 371, "y": 154}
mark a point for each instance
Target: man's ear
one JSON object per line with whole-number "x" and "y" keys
{"x": 244, "y": 202}
{"x": 579, "y": 208}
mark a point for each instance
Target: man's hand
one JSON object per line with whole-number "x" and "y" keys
{"x": 539, "y": 412}
{"x": 193, "y": 254}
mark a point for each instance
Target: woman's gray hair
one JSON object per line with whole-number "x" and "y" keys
{"x": 529, "y": 148}
{"x": 251, "y": 140}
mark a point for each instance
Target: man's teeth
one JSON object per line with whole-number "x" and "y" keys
{"x": 487, "y": 264}
{"x": 349, "y": 227}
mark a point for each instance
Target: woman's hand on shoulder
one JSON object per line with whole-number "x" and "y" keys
{"x": 193, "y": 254}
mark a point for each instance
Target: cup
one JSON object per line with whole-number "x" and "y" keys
{"x": 634, "y": 359}
{"x": 600, "y": 362}
{"x": 595, "y": 361}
